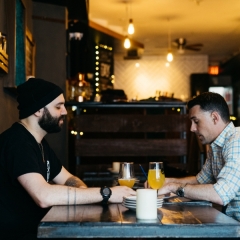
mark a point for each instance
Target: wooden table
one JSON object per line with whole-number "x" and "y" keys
{"x": 176, "y": 219}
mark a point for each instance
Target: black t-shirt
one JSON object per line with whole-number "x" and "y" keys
{"x": 20, "y": 154}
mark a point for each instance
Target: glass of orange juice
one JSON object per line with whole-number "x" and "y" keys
{"x": 126, "y": 175}
{"x": 156, "y": 176}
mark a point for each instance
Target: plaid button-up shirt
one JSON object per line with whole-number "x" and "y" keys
{"x": 222, "y": 169}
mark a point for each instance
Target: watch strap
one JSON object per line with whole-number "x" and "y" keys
{"x": 181, "y": 191}
{"x": 105, "y": 201}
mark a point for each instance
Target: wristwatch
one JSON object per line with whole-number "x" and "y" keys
{"x": 180, "y": 191}
{"x": 106, "y": 194}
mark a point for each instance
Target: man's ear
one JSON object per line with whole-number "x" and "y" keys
{"x": 215, "y": 117}
{"x": 39, "y": 113}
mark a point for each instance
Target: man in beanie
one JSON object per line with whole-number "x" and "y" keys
{"x": 28, "y": 164}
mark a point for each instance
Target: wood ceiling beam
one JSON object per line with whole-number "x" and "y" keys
{"x": 113, "y": 34}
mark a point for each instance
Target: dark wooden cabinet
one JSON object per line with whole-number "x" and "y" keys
{"x": 138, "y": 132}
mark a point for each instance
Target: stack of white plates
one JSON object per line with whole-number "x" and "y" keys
{"x": 130, "y": 202}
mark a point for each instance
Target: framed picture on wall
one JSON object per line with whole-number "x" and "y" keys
{"x": 3, "y": 54}
{"x": 30, "y": 54}
{"x": 16, "y": 49}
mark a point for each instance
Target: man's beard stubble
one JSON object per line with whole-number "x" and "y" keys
{"x": 49, "y": 123}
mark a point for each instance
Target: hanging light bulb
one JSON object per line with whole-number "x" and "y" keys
{"x": 130, "y": 27}
{"x": 169, "y": 56}
{"x": 127, "y": 43}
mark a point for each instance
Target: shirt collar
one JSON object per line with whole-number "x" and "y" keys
{"x": 224, "y": 135}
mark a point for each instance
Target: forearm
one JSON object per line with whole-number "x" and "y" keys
{"x": 198, "y": 192}
{"x": 67, "y": 195}
{"x": 46, "y": 195}
{"x": 183, "y": 181}
{"x": 192, "y": 189}
{"x": 75, "y": 182}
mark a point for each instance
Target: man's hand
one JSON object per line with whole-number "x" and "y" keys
{"x": 119, "y": 192}
{"x": 168, "y": 188}
{"x": 146, "y": 185}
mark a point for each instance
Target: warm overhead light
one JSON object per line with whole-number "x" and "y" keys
{"x": 169, "y": 56}
{"x": 127, "y": 43}
{"x": 130, "y": 27}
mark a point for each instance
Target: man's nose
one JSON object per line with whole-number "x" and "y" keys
{"x": 193, "y": 128}
{"x": 64, "y": 111}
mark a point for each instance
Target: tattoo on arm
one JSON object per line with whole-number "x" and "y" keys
{"x": 74, "y": 182}
{"x": 68, "y": 196}
{"x": 74, "y": 196}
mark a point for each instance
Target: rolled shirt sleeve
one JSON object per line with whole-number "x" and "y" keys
{"x": 222, "y": 166}
{"x": 228, "y": 180}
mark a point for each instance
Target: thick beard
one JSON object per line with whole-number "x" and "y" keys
{"x": 49, "y": 123}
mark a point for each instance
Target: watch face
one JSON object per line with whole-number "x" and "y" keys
{"x": 106, "y": 191}
{"x": 180, "y": 192}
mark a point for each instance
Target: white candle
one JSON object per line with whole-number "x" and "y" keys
{"x": 146, "y": 204}
{"x": 116, "y": 166}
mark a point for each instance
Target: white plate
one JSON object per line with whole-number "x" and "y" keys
{"x": 134, "y": 198}
{"x": 134, "y": 202}
{"x": 134, "y": 207}
{"x": 130, "y": 208}
{"x": 130, "y": 200}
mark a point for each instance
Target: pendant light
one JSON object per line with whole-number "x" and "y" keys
{"x": 131, "y": 27}
{"x": 169, "y": 55}
{"x": 127, "y": 43}
{"x": 130, "y": 24}
{"x": 130, "y": 30}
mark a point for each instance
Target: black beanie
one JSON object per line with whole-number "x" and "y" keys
{"x": 35, "y": 94}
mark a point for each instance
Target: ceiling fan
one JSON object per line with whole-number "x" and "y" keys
{"x": 181, "y": 44}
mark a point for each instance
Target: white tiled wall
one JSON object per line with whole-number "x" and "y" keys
{"x": 152, "y": 74}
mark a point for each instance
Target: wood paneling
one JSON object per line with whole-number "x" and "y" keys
{"x": 131, "y": 135}
{"x": 131, "y": 123}
{"x": 131, "y": 147}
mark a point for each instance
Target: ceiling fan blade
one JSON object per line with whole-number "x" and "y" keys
{"x": 181, "y": 44}
{"x": 192, "y": 48}
{"x": 175, "y": 44}
{"x": 195, "y": 45}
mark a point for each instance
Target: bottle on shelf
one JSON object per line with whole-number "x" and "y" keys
{"x": 79, "y": 89}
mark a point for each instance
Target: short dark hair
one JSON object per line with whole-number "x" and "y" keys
{"x": 209, "y": 102}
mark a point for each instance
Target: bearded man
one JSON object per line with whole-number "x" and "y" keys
{"x": 28, "y": 164}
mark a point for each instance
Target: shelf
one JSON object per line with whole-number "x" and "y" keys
{"x": 140, "y": 104}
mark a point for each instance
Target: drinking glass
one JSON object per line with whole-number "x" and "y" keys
{"x": 156, "y": 176}
{"x": 126, "y": 175}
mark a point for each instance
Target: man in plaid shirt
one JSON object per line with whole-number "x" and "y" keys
{"x": 219, "y": 179}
